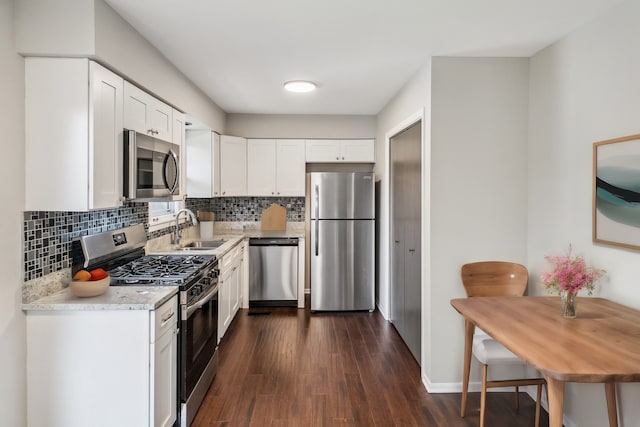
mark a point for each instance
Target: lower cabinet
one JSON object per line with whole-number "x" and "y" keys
{"x": 230, "y": 290}
{"x": 102, "y": 367}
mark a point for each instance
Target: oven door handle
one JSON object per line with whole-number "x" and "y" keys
{"x": 197, "y": 306}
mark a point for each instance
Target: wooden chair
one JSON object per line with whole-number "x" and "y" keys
{"x": 496, "y": 278}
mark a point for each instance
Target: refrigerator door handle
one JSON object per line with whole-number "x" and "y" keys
{"x": 317, "y": 217}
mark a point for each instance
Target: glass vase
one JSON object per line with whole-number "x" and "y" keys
{"x": 569, "y": 304}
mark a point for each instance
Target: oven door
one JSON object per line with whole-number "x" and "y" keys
{"x": 151, "y": 167}
{"x": 199, "y": 338}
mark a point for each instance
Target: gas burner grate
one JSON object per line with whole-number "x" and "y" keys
{"x": 160, "y": 269}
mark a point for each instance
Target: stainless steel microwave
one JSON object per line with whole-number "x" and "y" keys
{"x": 151, "y": 168}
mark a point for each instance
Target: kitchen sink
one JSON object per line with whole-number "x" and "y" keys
{"x": 203, "y": 245}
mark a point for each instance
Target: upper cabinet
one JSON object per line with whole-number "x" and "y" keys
{"x": 179, "y": 138}
{"x": 275, "y": 167}
{"x": 261, "y": 167}
{"x": 233, "y": 166}
{"x": 73, "y": 135}
{"x": 146, "y": 114}
{"x": 290, "y": 162}
{"x": 340, "y": 150}
{"x": 203, "y": 163}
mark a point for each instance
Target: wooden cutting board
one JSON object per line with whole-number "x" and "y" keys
{"x": 274, "y": 218}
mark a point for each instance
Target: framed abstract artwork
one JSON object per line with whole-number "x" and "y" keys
{"x": 616, "y": 192}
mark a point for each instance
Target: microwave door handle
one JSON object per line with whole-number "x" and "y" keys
{"x": 171, "y": 156}
{"x": 133, "y": 175}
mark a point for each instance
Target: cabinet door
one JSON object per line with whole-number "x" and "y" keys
{"x": 290, "y": 167}
{"x": 322, "y": 151}
{"x": 236, "y": 291}
{"x": 199, "y": 154}
{"x": 165, "y": 360}
{"x": 215, "y": 164}
{"x": 161, "y": 119}
{"x": 105, "y": 145}
{"x": 146, "y": 114}
{"x": 224, "y": 302}
{"x": 73, "y": 135}
{"x": 178, "y": 138}
{"x": 233, "y": 166}
{"x": 261, "y": 167}
{"x": 357, "y": 150}
{"x": 136, "y": 109}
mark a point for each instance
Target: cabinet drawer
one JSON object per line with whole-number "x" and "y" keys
{"x": 164, "y": 318}
{"x": 230, "y": 257}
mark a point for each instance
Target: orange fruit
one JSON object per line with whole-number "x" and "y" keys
{"x": 98, "y": 274}
{"x": 82, "y": 275}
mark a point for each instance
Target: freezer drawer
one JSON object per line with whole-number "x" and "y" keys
{"x": 342, "y": 265}
{"x": 273, "y": 273}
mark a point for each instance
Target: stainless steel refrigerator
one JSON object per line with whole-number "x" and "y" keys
{"x": 342, "y": 241}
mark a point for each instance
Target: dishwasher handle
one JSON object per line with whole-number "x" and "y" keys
{"x": 289, "y": 241}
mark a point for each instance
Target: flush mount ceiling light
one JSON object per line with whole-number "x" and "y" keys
{"x": 299, "y": 86}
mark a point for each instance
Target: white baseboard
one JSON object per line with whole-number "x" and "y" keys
{"x": 476, "y": 387}
{"x": 383, "y": 312}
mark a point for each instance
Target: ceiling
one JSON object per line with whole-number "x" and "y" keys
{"x": 359, "y": 52}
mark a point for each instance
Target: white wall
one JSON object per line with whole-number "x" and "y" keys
{"x": 124, "y": 49}
{"x": 478, "y": 189}
{"x": 585, "y": 88}
{"x": 475, "y": 189}
{"x": 12, "y": 320}
{"x": 92, "y": 29}
{"x": 413, "y": 99}
{"x": 300, "y": 126}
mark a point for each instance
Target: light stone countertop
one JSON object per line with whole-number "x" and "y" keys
{"x": 116, "y": 298}
{"x": 231, "y": 232}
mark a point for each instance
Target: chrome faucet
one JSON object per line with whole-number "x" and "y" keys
{"x": 194, "y": 220}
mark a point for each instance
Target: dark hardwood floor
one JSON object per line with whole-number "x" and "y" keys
{"x": 293, "y": 368}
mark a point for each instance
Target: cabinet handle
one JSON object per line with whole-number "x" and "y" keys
{"x": 412, "y": 250}
{"x": 342, "y": 157}
{"x": 166, "y": 319}
{"x": 224, "y": 192}
{"x": 397, "y": 241}
{"x": 337, "y": 158}
{"x": 272, "y": 193}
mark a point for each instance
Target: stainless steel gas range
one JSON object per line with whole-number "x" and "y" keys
{"x": 121, "y": 253}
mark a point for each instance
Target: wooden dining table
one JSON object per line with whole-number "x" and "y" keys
{"x": 601, "y": 345}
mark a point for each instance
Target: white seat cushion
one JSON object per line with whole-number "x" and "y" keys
{"x": 489, "y": 351}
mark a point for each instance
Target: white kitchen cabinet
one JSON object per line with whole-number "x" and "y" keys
{"x": 73, "y": 135}
{"x": 290, "y": 171}
{"x": 230, "y": 289}
{"x": 261, "y": 167}
{"x": 203, "y": 163}
{"x": 164, "y": 364}
{"x": 233, "y": 166}
{"x": 102, "y": 367}
{"x": 275, "y": 167}
{"x": 146, "y": 114}
{"x": 179, "y": 138}
{"x": 340, "y": 151}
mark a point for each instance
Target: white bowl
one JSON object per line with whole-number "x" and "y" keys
{"x": 89, "y": 288}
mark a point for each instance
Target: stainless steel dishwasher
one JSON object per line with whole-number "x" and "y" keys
{"x": 273, "y": 272}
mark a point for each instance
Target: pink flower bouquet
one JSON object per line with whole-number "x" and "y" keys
{"x": 569, "y": 274}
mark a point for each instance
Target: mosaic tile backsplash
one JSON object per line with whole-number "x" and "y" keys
{"x": 249, "y": 209}
{"x": 48, "y": 235}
